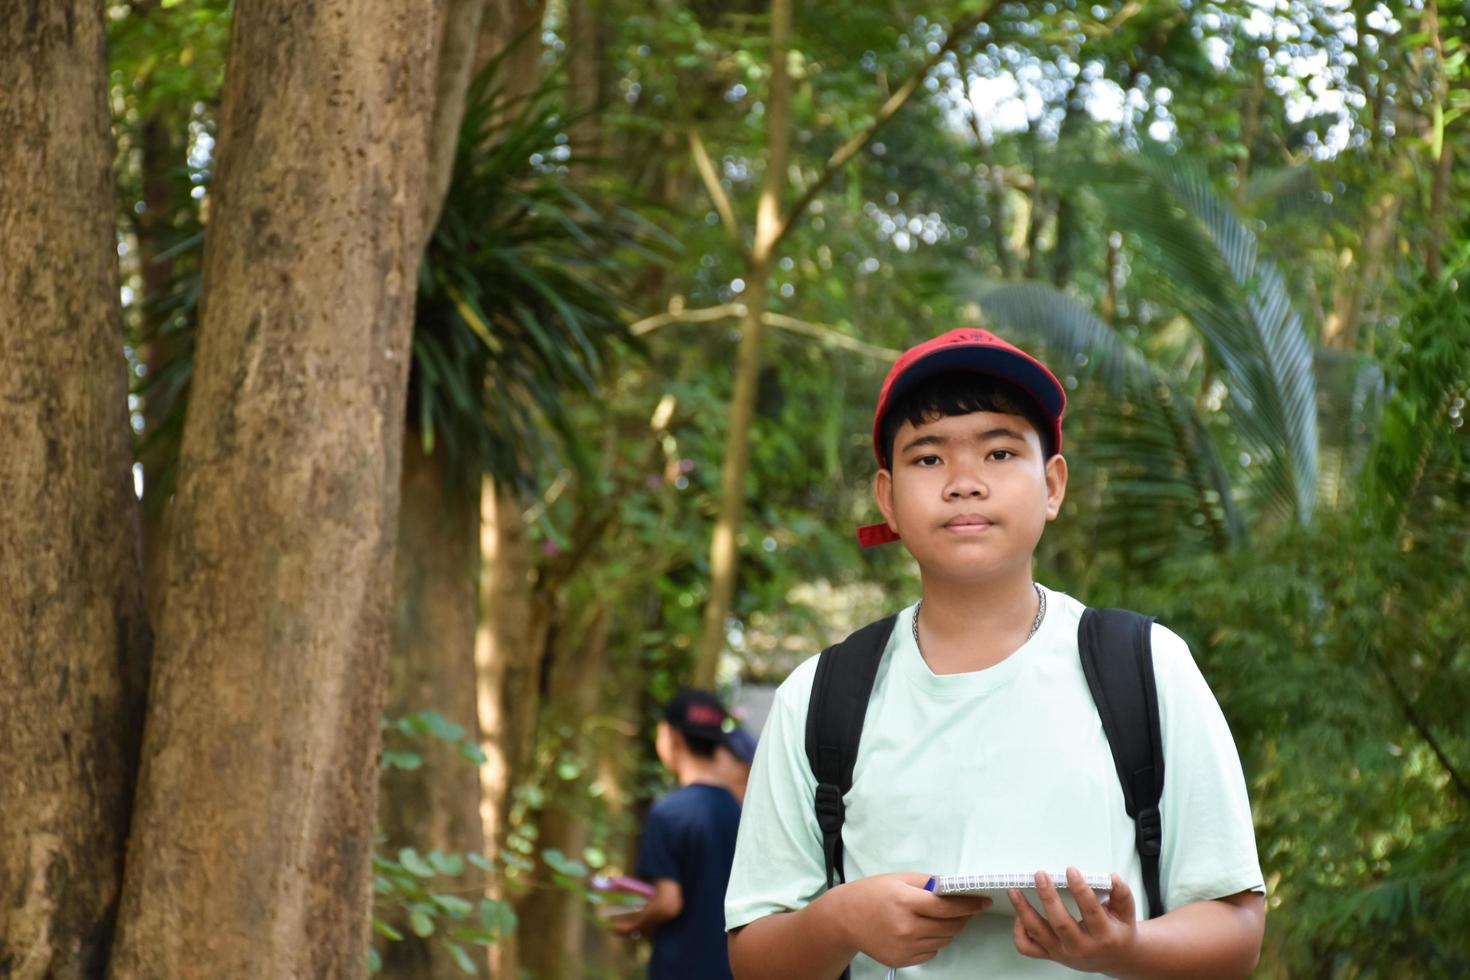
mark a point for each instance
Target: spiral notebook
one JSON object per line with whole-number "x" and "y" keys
{"x": 995, "y": 886}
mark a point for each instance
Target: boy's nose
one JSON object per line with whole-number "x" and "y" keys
{"x": 960, "y": 489}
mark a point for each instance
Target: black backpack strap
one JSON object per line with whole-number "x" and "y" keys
{"x": 1117, "y": 657}
{"x": 834, "y": 726}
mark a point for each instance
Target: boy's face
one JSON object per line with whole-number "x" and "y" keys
{"x": 970, "y": 494}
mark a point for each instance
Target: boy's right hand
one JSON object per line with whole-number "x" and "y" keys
{"x": 892, "y": 919}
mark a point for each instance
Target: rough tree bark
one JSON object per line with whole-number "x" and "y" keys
{"x": 73, "y": 634}
{"x": 249, "y": 855}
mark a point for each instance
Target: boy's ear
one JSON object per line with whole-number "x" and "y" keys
{"x": 883, "y": 496}
{"x": 1056, "y": 485}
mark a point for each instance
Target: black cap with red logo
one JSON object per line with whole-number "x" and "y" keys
{"x": 697, "y": 713}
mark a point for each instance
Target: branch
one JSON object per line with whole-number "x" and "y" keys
{"x": 652, "y": 323}
{"x": 828, "y": 335}
{"x": 1406, "y": 707}
{"x": 839, "y": 159}
{"x": 717, "y": 193}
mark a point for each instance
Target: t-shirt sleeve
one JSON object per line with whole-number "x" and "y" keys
{"x": 658, "y": 855}
{"x": 778, "y": 853}
{"x": 1209, "y": 847}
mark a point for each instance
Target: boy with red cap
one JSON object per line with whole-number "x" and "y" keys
{"x": 982, "y": 749}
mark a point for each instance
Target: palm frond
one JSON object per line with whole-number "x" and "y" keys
{"x": 1160, "y": 456}
{"x": 518, "y": 298}
{"x": 1212, "y": 272}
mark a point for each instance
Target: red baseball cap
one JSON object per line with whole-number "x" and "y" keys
{"x": 965, "y": 349}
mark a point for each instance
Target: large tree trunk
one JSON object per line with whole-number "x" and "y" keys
{"x": 251, "y": 841}
{"x": 432, "y": 666}
{"x": 73, "y": 635}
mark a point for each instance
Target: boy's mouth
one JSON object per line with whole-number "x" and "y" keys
{"x": 969, "y": 524}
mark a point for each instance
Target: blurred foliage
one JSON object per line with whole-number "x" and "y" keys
{"x": 427, "y": 894}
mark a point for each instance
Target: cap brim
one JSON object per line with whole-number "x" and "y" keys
{"x": 1012, "y": 366}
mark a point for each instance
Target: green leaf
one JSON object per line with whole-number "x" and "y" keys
{"x": 461, "y": 958}
{"x": 446, "y": 864}
{"x": 402, "y": 760}
{"x": 384, "y": 929}
{"x": 498, "y": 917}
{"x": 472, "y": 753}
{"x": 563, "y": 864}
{"x": 453, "y": 905}
{"x": 421, "y": 923}
{"x": 439, "y": 726}
{"x": 375, "y": 962}
{"x": 415, "y": 864}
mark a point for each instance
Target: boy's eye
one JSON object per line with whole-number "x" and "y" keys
{"x": 930, "y": 460}
{"x": 1002, "y": 454}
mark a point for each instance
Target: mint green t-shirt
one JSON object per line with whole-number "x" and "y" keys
{"x": 1000, "y": 770}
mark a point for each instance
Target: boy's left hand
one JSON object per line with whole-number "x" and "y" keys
{"x": 1096, "y": 944}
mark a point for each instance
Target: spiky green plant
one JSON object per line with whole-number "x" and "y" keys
{"x": 518, "y": 301}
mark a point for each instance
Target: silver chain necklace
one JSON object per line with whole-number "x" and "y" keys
{"x": 1035, "y": 623}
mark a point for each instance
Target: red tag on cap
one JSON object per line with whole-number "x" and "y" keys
{"x": 875, "y": 534}
{"x": 703, "y": 714}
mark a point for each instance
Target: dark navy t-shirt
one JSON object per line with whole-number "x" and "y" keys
{"x": 689, "y": 837}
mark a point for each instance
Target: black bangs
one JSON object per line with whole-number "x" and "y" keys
{"x": 961, "y": 393}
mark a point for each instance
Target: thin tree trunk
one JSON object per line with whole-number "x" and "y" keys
{"x": 584, "y": 81}
{"x": 459, "y": 39}
{"x": 553, "y": 915}
{"x": 1065, "y": 246}
{"x": 1357, "y": 275}
{"x": 73, "y": 632}
{"x": 436, "y": 587}
{"x": 1250, "y": 128}
{"x": 1035, "y": 211}
{"x": 511, "y": 28}
{"x": 1110, "y": 279}
{"x": 159, "y": 157}
{"x": 508, "y": 651}
{"x": 1438, "y": 139}
{"x": 249, "y": 855}
{"x": 724, "y": 553}
{"x": 432, "y": 667}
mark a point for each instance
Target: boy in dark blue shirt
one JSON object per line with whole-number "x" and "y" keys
{"x": 688, "y": 844}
